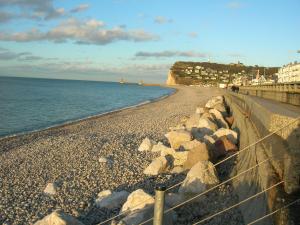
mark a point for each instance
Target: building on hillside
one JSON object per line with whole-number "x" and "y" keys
{"x": 240, "y": 81}
{"x": 289, "y": 73}
{"x": 259, "y": 80}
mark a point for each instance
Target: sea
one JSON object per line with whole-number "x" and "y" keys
{"x": 30, "y": 104}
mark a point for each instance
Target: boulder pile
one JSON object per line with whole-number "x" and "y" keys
{"x": 190, "y": 148}
{"x": 204, "y": 136}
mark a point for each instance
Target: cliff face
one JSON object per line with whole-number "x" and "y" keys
{"x": 171, "y": 78}
{"x": 195, "y": 73}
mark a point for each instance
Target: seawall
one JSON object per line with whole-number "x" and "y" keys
{"x": 287, "y": 93}
{"x": 254, "y": 119}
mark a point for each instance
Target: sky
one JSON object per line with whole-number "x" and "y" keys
{"x": 137, "y": 40}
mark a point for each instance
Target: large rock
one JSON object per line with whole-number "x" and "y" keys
{"x": 214, "y": 101}
{"x": 176, "y": 138}
{"x": 58, "y": 218}
{"x": 137, "y": 200}
{"x": 207, "y": 123}
{"x": 210, "y": 144}
{"x": 198, "y": 153}
{"x": 179, "y": 157}
{"x": 192, "y": 121}
{"x": 110, "y": 200}
{"x": 139, "y": 216}
{"x": 177, "y": 169}
{"x": 205, "y": 127}
{"x": 146, "y": 145}
{"x": 159, "y": 147}
{"x": 50, "y": 189}
{"x": 219, "y": 119}
{"x": 222, "y": 146}
{"x": 200, "y": 110}
{"x": 189, "y": 145}
{"x": 230, "y": 134}
{"x": 208, "y": 115}
{"x": 222, "y": 109}
{"x": 173, "y": 199}
{"x": 201, "y": 177}
{"x": 157, "y": 166}
{"x": 229, "y": 120}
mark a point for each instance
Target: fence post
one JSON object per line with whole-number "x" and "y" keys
{"x": 159, "y": 205}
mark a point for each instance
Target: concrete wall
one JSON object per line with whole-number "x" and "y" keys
{"x": 288, "y": 93}
{"x": 254, "y": 121}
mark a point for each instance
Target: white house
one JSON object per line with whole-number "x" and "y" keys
{"x": 289, "y": 73}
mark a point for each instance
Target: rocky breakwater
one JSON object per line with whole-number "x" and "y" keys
{"x": 189, "y": 151}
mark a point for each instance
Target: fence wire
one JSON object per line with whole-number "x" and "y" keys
{"x": 216, "y": 164}
{"x": 239, "y": 203}
{"x": 244, "y": 149}
{"x": 277, "y": 210}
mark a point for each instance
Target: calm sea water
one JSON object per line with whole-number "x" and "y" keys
{"x": 28, "y": 104}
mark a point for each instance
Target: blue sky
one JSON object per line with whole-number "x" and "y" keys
{"x": 141, "y": 39}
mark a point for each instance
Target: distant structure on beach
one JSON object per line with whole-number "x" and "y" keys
{"x": 216, "y": 74}
{"x": 289, "y": 73}
{"x": 122, "y": 81}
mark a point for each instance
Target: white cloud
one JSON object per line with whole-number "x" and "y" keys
{"x": 168, "y": 54}
{"x": 89, "y": 70}
{"x": 5, "y": 16}
{"x": 162, "y": 20}
{"x": 82, "y": 32}
{"x": 6, "y": 54}
{"x": 80, "y": 8}
{"x": 94, "y": 23}
{"x": 193, "y": 34}
{"x": 34, "y": 9}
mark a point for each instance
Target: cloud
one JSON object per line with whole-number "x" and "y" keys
{"x": 34, "y": 9}
{"x": 193, "y": 34}
{"x": 80, "y": 8}
{"x": 234, "y": 5}
{"x": 82, "y": 32}
{"x": 168, "y": 54}
{"x": 298, "y": 51}
{"x": 5, "y": 16}
{"x": 162, "y": 20}
{"x": 6, "y": 55}
{"x": 90, "y": 70}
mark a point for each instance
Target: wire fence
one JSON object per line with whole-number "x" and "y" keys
{"x": 277, "y": 210}
{"x": 237, "y": 204}
{"x": 245, "y": 148}
{"x": 207, "y": 191}
{"x": 210, "y": 189}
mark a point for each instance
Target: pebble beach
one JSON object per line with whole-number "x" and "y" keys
{"x": 69, "y": 156}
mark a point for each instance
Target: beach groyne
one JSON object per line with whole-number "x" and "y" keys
{"x": 275, "y": 128}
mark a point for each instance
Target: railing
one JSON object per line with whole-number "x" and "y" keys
{"x": 287, "y": 93}
{"x": 284, "y": 87}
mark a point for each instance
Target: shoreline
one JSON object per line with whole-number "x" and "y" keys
{"x": 72, "y": 122}
{"x": 69, "y": 155}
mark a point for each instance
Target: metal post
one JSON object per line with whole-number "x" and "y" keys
{"x": 159, "y": 205}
